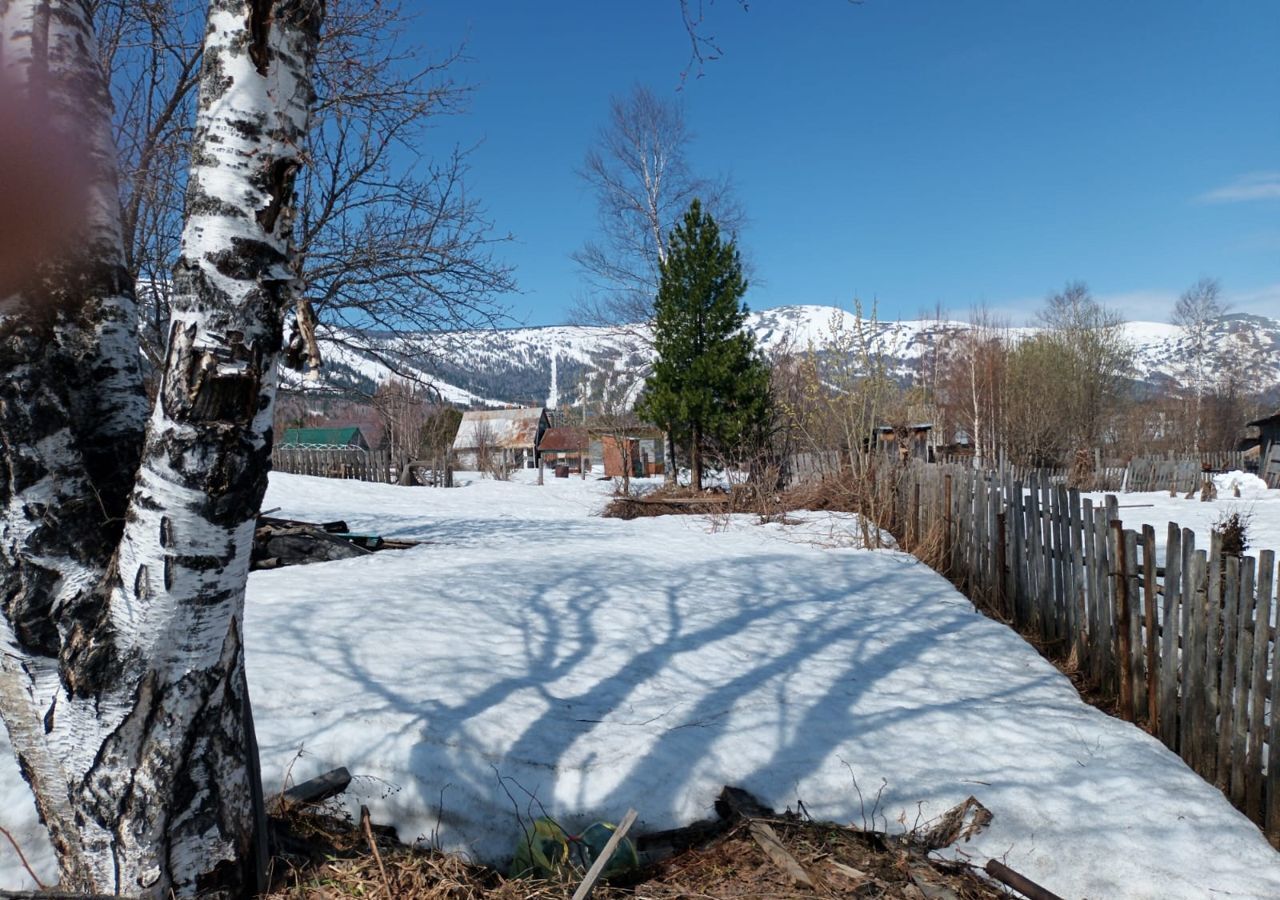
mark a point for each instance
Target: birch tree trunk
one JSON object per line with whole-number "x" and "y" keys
{"x": 123, "y": 683}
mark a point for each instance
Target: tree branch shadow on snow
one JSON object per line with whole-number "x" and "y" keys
{"x": 807, "y": 658}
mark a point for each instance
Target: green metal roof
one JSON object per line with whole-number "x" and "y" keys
{"x": 322, "y": 437}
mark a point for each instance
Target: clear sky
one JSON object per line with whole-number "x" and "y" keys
{"x": 920, "y": 152}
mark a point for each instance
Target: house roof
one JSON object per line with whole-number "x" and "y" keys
{"x": 559, "y": 440}
{"x": 508, "y": 429}
{"x": 323, "y": 437}
{"x": 889, "y": 429}
{"x": 1273, "y": 419}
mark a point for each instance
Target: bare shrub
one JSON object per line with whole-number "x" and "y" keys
{"x": 1233, "y": 527}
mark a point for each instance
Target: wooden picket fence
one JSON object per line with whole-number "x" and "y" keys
{"x": 334, "y": 462}
{"x": 1187, "y": 649}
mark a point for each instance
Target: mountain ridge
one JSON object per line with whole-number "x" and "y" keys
{"x": 513, "y": 366}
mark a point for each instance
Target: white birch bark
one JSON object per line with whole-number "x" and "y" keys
{"x": 123, "y": 684}
{"x": 71, "y": 403}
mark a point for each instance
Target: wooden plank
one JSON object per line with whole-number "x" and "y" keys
{"x": 1017, "y": 523}
{"x": 1105, "y": 641}
{"x": 764, "y": 835}
{"x": 1137, "y": 661}
{"x": 1002, "y": 595}
{"x": 1190, "y": 618}
{"x": 1091, "y": 587}
{"x": 1258, "y": 690}
{"x": 1229, "y": 635}
{"x": 1212, "y": 651}
{"x": 602, "y": 861}
{"x": 1062, "y": 541}
{"x": 947, "y": 525}
{"x": 1171, "y": 630}
{"x": 1055, "y": 630}
{"x": 1077, "y": 576}
{"x": 1151, "y": 627}
{"x": 1195, "y": 677}
{"x": 1243, "y": 677}
{"x": 995, "y": 551}
{"x": 1124, "y": 647}
{"x": 1273, "y": 730}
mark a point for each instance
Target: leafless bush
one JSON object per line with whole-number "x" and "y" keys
{"x": 1234, "y": 530}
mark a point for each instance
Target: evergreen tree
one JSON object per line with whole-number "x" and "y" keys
{"x": 709, "y": 387}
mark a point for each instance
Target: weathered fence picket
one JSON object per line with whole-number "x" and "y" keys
{"x": 1186, "y": 646}
{"x": 333, "y": 462}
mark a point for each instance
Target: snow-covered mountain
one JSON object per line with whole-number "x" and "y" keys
{"x": 500, "y": 367}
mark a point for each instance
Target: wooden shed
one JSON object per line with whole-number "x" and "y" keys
{"x": 1269, "y": 449}
{"x": 571, "y": 446}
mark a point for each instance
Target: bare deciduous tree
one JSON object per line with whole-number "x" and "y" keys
{"x": 640, "y": 172}
{"x": 1196, "y": 311}
{"x": 1099, "y": 359}
{"x": 388, "y": 238}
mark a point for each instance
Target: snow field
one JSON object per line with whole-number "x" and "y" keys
{"x": 1156, "y": 508}
{"x": 535, "y": 656}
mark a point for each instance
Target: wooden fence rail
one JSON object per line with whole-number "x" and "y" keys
{"x": 334, "y": 462}
{"x": 1185, "y": 644}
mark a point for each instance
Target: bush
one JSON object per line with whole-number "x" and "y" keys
{"x": 1233, "y": 527}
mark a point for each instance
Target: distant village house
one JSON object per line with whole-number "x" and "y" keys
{"x": 506, "y": 437}
{"x": 325, "y": 438}
{"x": 569, "y": 447}
{"x": 1269, "y": 449}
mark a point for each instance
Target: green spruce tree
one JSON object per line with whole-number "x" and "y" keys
{"x": 709, "y": 387}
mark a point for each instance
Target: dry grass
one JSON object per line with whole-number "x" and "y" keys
{"x": 330, "y": 857}
{"x": 323, "y": 855}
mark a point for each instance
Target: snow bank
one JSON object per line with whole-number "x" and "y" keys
{"x": 532, "y": 656}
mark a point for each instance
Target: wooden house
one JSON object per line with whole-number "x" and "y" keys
{"x": 916, "y": 442}
{"x": 506, "y": 437}
{"x": 325, "y": 438}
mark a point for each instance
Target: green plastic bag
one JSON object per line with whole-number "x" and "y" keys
{"x": 540, "y": 852}
{"x": 624, "y": 859}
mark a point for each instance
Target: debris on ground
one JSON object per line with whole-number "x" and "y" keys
{"x": 291, "y": 542}
{"x": 748, "y": 851}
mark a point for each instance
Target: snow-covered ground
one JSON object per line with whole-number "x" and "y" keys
{"x": 532, "y": 655}
{"x": 1257, "y": 504}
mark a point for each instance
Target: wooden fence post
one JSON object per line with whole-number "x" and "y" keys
{"x": 1152, "y": 625}
{"x": 1123, "y": 649}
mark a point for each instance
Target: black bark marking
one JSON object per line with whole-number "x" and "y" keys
{"x": 259, "y": 28}
{"x": 142, "y": 584}
{"x": 48, "y": 716}
{"x": 29, "y": 591}
{"x": 216, "y": 383}
{"x": 166, "y": 531}
{"x": 168, "y": 573}
{"x": 280, "y": 179}
{"x": 90, "y": 661}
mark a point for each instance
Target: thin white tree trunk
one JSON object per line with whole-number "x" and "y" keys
{"x": 124, "y": 693}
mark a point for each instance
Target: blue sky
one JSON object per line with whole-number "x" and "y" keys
{"x": 919, "y": 153}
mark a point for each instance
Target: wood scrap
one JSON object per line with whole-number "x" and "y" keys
{"x": 598, "y": 867}
{"x": 767, "y": 838}
{"x": 320, "y": 788}
{"x": 1020, "y": 883}
{"x": 961, "y": 822}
